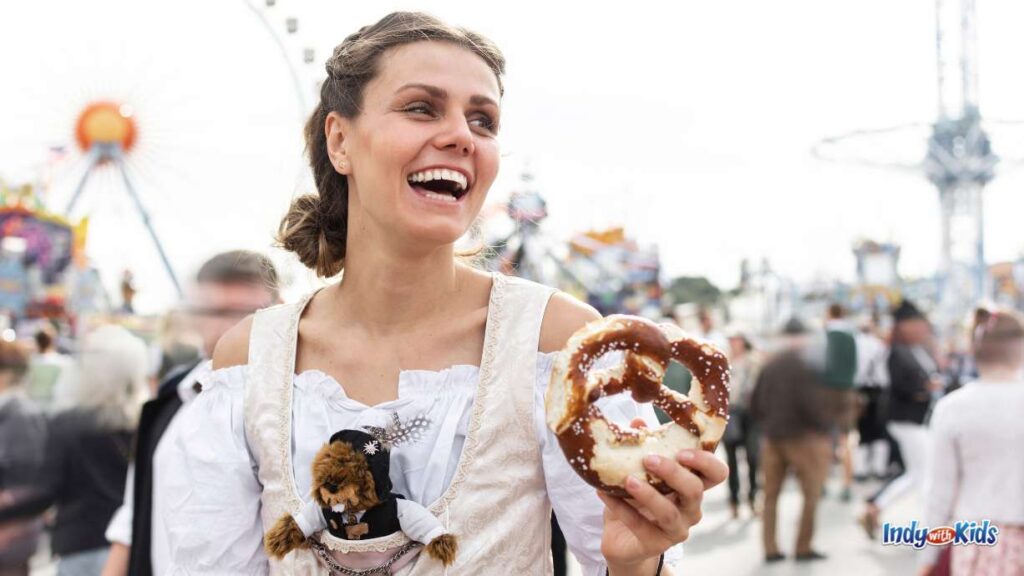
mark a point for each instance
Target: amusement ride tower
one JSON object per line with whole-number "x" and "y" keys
{"x": 959, "y": 160}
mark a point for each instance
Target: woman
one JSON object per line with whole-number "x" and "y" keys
{"x": 913, "y": 379}
{"x": 22, "y": 438}
{"x": 403, "y": 147}
{"x": 87, "y": 448}
{"x": 741, "y": 432}
{"x": 975, "y": 471}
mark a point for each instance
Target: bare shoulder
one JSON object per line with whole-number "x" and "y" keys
{"x": 233, "y": 347}
{"x": 564, "y": 316}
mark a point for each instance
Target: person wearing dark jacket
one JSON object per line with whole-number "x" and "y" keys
{"x": 913, "y": 378}
{"x": 87, "y": 450}
{"x": 228, "y": 287}
{"x": 22, "y": 438}
{"x": 795, "y": 415}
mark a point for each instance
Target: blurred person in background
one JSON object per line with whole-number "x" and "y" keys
{"x": 178, "y": 345}
{"x": 795, "y": 415}
{"x": 741, "y": 433}
{"x": 87, "y": 450}
{"x": 228, "y": 287}
{"x": 872, "y": 382}
{"x": 913, "y": 379}
{"x": 959, "y": 366}
{"x": 840, "y": 372}
{"x": 22, "y": 438}
{"x": 708, "y": 331}
{"x": 975, "y": 466}
{"x": 50, "y": 372}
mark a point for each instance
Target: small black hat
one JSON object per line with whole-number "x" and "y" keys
{"x": 377, "y": 457}
{"x": 794, "y": 327}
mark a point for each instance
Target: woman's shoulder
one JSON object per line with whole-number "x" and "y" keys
{"x": 233, "y": 347}
{"x": 563, "y": 317}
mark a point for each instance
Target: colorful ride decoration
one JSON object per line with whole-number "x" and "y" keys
{"x": 106, "y": 123}
{"x": 620, "y": 276}
{"x": 37, "y": 250}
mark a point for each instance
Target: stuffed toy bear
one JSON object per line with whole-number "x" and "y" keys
{"x": 352, "y": 500}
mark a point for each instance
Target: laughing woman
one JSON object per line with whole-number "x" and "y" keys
{"x": 404, "y": 147}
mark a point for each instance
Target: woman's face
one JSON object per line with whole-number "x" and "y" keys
{"x": 423, "y": 153}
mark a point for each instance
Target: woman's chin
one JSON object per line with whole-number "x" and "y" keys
{"x": 434, "y": 232}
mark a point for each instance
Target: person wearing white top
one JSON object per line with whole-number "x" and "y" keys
{"x": 404, "y": 148}
{"x": 975, "y": 470}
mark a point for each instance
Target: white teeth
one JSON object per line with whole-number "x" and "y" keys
{"x": 440, "y": 174}
{"x": 436, "y": 196}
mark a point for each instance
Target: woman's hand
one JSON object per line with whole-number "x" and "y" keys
{"x": 639, "y": 529}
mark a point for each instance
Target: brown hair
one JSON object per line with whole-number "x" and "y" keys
{"x": 316, "y": 225}
{"x": 999, "y": 338}
{"x": 14, "y": 359}
{"x": 240, "y": 267}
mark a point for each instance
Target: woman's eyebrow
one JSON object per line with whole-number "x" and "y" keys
{"x": 482, "y": 101}
{"x": 442, "y": 94}
{"x": 434, "y": 91}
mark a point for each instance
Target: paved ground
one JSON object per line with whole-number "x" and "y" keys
{"x": 722, "y": 546}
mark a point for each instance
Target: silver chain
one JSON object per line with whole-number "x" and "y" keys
{"x": 382, "y": 570}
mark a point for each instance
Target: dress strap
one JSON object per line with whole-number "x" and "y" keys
{"x": 268, "y": 402}
{"x": 515, "y": 365}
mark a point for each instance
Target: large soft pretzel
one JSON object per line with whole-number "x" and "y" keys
{"x": 605, "y": 454}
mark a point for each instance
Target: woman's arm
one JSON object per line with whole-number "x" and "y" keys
{"x": 213, "y": 520}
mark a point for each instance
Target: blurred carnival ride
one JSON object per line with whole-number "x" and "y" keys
{"x": 606, "y": 268}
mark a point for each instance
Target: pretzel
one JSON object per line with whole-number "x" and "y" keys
{"x": 605, "y": 454}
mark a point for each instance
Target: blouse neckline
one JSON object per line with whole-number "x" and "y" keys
{"x": 491, "y": 329}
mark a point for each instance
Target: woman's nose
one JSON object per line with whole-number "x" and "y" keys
{"x": 458, "y": 137}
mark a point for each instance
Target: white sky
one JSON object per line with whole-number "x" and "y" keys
{"x": 689, "y": 122}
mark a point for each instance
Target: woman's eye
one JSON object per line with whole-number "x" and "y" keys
{"x": 485, "y": 122}
{"x": 419, "y": 108}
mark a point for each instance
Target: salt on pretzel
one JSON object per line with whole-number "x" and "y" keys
{"x": 605, "y": 454}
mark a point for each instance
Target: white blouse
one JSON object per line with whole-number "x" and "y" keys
{"x": 213, "y": 518}
{"x": 975, "y": 470}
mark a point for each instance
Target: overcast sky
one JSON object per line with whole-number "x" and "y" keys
{"x": 689, "y": 122}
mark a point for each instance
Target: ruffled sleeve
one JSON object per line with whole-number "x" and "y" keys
{"x": 579, "y": 511}
{"x": 213, "y": 519}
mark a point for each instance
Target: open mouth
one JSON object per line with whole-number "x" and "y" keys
{"x": 439, "y": 184}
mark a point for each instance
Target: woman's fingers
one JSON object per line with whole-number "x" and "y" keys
{"x": 644, "y": 530}
{"x": 662, "y": 509}
{"x": 705, "y": 465}
{"x": 681, "y": 480}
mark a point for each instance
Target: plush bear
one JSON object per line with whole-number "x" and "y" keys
{"x": 352, "y": 499}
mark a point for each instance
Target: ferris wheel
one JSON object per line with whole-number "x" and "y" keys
{"x": 173, "y": 127}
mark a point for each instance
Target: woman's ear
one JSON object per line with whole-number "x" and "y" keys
{"x": 337, "y": 128}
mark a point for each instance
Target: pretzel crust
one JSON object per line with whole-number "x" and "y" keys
{"x": 605, "y": 454}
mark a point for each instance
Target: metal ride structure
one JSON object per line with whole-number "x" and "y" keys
{"x": 958, "y": 161}
{"x": 106, "y": 132}
{"x": 290, "y": 50}
{"x": 525, "y": 252}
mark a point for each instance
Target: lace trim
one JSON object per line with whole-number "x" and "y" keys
{"x": 495, "y": 319}
{"x": 284, "y": 415}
